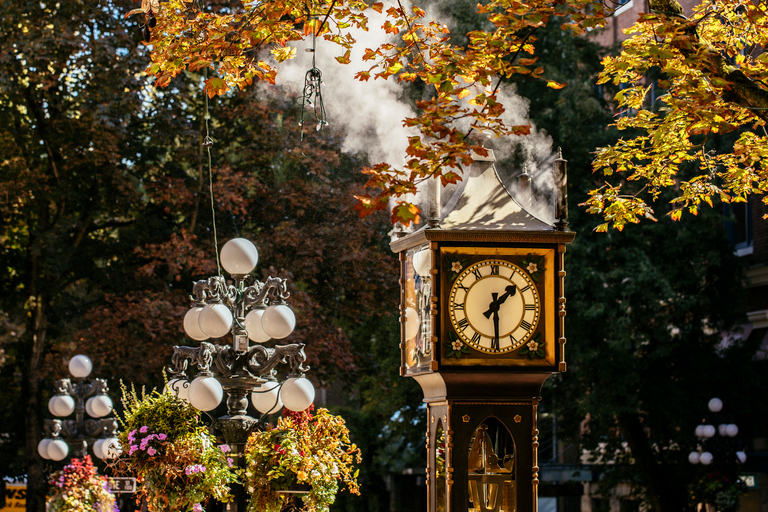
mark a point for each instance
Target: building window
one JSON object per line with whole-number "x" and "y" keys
{"x": 738, "y": 226}
{"x": 622, "y": 6}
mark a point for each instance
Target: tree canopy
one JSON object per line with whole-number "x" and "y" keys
{"x": 711, "y": 72}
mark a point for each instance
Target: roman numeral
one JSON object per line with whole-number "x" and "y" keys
{"x": 476, "y": 338}
{"x": 512, "y": 339}
{"x": 523, "y": 290}
{"x": 463, "y": 323}
{"x": 530, "y": 307}
{"x": 459, "y": 306}
{"x": 525, "y": 325}
{"x": 463, "y": 287}
{"x": 494, "y": 270}
{"x": 477, "y": 273}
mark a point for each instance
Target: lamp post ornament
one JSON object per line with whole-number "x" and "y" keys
{"x": 81, "y": 397}
{"x": 257, "y": 316}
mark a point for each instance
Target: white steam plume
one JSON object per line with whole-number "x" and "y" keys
{"x": 371, "y": 113}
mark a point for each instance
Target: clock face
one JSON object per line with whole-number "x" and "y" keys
{"x": 494, "y": 306}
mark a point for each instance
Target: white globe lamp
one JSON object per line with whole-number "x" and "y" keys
{"x": 205, "y": 393}
{"x": 709, "y": 430}
{"x": 192, "y": 324}
{"x": 239, "y": 256}
{"x": 179, "y": 387}
{"x": 278, "y": 321}
{"x": 266, "y": 398}
{"x": 742, "y": 457}
{"x": 422, "y": 262}
{"x": 412, "y": 323}
{"x": 80, "y": 366}
{"x": 297, "y": 394}
{"x": 706, "y": 458}
{"x": 98, "y": 406}
{"x": 61, "y": 405}
{"x": 215, "y": 320}
{"x": 57, "y": 449}
{"x": 42, "y": 447}
{"x": 731, "y": 430}
{"x": 111, "y": 448}
{"x": 98, "y": 448}
{"x": 700, "y": 431}
{"x": 694, "y": 457}
{"x": 253, "y": 325}
{"x": 715, "y": 405}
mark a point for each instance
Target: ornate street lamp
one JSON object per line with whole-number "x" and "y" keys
{"x": 80, "y": 397}
{"x": 706, "y": 432}
{"x": 255, "y": 313}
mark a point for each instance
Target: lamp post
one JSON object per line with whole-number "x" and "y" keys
{"x": 725, "y": 452}
{"x": 718, "y": 487}
{"x": 255, "y": 313}
{"x": 81, "y": 397}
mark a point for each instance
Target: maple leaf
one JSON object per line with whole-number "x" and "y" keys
{"x": 555, "y": 85}
{"x": 405, "y": 213}
{"x": 344, "y": 59}
{"x": 215, "y": 86}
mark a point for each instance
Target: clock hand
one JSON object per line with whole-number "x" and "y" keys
{"x": 496, "y": 303}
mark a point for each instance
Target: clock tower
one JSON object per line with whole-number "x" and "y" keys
{"x": 482, "y": 314}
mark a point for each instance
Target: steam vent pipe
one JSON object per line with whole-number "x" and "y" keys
{"x": 561, "y": 191}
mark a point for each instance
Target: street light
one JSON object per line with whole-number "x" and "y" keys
{"x": 255, "y": 313}
{"x": 80, "y": 397}
{"x": 706, "y": 433}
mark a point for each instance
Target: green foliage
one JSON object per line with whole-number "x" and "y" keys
{"x": 712, "y": 82}
{"x": 175, "y": 458}
{"x": 304, "y": 449}
{"x": 722, "y": 491}
{"x": 161, "y": 412}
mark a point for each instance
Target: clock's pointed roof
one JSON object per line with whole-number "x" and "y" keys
{"x": 482, "y": 208}
{"x": 483, "y": 202}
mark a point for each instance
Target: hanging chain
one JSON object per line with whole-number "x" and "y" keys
{"x": 312, "y": 96}
{"x": 207, "y": 144}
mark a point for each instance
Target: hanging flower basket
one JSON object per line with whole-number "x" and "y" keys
{"x": 176, "y": 460}
{"x": 304, "y": 455}
{"x": 77, "y": 488}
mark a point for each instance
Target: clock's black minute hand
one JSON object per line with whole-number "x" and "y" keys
{"x": 493, "y": 309}
{"x": 496, "y": 303}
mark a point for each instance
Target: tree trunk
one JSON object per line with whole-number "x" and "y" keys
{"x": 36, "y": 481}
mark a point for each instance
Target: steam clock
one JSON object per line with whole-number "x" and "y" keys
{"x": 482, "y": 313}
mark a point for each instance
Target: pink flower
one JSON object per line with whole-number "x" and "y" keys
{"x": 144, "y": 429}
{"x": 230, "y": 462}
{"x": 151, "y": 451}
{"x": 197, "y": 507}
{"x": 162, "y": 437}
{"x": 225, "y": 448}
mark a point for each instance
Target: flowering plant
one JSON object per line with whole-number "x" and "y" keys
{"x": 178, "y": 464}
{"x": 301, "y": 449}
{"x": 717, "y": 489}
{"x": 77, "y": 488}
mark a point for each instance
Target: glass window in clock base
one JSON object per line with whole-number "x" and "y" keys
{"x": 492, "y": 469}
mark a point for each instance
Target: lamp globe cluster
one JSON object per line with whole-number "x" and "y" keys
{"x": 708, "y": 431}
{"x": 80, "y": 397}
{"x": 212, "y": 316}
{"x": 253, "y": 312}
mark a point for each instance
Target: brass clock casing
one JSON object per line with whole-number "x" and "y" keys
{"x": 527, "y": 335}
{"x": 494, "y": 306}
